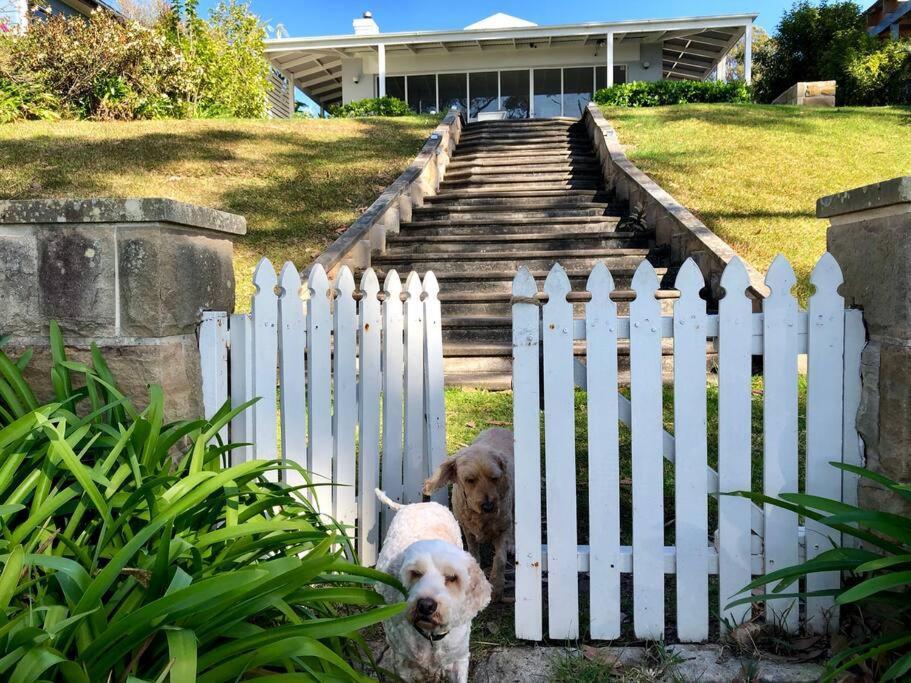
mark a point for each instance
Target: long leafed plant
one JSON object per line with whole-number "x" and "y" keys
{"x": 879, "y": 571}
{"x": 122, "y": 562}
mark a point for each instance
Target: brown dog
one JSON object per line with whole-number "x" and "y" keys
{"x": 482, "y": 497}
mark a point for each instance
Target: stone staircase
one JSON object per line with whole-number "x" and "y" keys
{"x": 516, "y": 193}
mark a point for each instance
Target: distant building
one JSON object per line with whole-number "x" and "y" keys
{"x": 889, "y": 19}
{"x": 503, "y": 66}
{"x": 18, "y": 13}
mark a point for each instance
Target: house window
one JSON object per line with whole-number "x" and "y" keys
{"x": 395, "y": 87}
{"x": 483, "y": 90}
{"x": 422, "y": 93}
{"x": 548, "y": 89}
{"x": 514, "y": 93}
{"x": 577, "y": 90}
{"x": 453, "y": 92}
{"x": 601, "y": 75}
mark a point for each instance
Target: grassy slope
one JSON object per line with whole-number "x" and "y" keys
{"x": 297, "y": 182}
{"x": 753, "y": 173}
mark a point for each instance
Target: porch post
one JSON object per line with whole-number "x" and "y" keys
{"x": 748, "y": 54}
{"x": 290, "y": 78}
{"x": 609, "y": 43}
{"x": 381, "y": 54}
{"x": 721, "y": 71}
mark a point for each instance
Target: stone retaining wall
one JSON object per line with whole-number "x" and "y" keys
{"x": 810, "y": 94}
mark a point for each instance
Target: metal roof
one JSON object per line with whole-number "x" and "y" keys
{"x": 692, "y": 46}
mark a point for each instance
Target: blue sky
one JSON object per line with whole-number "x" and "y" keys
{"x": 322, "y": 17}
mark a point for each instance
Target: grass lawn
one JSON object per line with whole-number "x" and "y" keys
{"x": 297, "y": 182}
{"x": 753, "y": 173}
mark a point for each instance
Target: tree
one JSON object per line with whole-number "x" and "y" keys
{"x": 734, "y": 62}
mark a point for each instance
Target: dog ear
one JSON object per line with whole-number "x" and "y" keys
{"x": 478, "y": 593}
{"x": 390, "y": 593}
{"x": 445, "y": 474}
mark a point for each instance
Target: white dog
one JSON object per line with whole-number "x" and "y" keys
{"x": 446, "y": 589}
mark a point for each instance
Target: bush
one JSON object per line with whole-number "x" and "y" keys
{"x": 20, "y": 101}
{"x": 880, "y": 77}
{"x": 881, "y": 565}
{"x": 120, "y": 562}
{"x": 375, "y": 106}
{"x": 659, "y": 93}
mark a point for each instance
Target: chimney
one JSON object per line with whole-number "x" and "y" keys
{"x": 366, "y": 26}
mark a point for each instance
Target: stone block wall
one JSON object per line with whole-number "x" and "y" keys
{"x": 133, "y": 276}
{"x": 810, "y": 94}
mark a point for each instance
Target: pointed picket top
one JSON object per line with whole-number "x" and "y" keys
{"x": 344, "y": 282}
{"x": 393, "y": 283}
{"x": 264, "y": 276}
{"x": 826, "y": 275}
{"x": 734, "y": 279}
{"x": 523, "y": 284}
{"x": 689, "y": 281}
{"x": 290, "y": 280}
{"x": 431, "y": 286}
{"x": 557, "y": 285}
{"x": 600, "y": 284}
{"x": 317, "y": 281}
{"x": 780, "y": 277}
{"x": 413, "y": 286}
{"x": 370, "y": 286}
{"x": 645, "y": 280}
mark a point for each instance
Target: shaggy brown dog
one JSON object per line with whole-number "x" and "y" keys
{"x": 482, "y": 498}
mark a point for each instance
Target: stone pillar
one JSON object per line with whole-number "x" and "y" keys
{"x": 131, "y": 275}
{"x": 870, "y": 236}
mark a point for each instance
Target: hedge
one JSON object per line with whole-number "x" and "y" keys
{"x": 659, "y": 93}
{"x": 374, "y": 106}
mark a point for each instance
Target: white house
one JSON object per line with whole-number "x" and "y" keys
{"x": 506, "y": 64}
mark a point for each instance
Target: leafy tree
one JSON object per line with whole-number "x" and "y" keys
{"x": 735, "y": 58}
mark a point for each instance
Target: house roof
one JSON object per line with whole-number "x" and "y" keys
{"x": 692, "y": 46}
{"x": 902, "y": 10}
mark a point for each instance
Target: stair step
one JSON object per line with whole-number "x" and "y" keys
{"x": 499, "y": 161}
{"x": 507, "y": 194}
{"x": 500, "y": 219}
{"x": 453, "y": 171}
{"x": 530, "y": 145}
{"x": 442, "y": 262}
{"x": 548, "y": 209}
{"x": 495, "y": 186}
{"x": 550, "y": 201}
{"x": 492, "y": 303}
{"x": 517, "y": 229}
{"x": 528, "y": 176}
{"x": 457, "y": 244}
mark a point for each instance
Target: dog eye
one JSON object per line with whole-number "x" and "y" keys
{"x": 470, "y": 480}
{"x": 415, "y": 575}
{"x": 452, "y": 578}
{"x": 495, "y": 477}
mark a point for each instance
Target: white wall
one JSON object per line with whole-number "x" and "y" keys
{"x": 352, "y": 68}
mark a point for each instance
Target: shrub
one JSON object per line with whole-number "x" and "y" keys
{"x": 881, "y": 567}
{"x": 375, "y": 106}
{"x": 26, "y": 101}
{"x": 120, "y": 562}
{"x": 659, "y": 93}
{"x": 879, "y": 77}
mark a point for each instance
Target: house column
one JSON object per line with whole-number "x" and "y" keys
{"x": 290, "y": 78}
{"x": 748, "y": 54}
{"x": 609, "y": 44}
{"x": 721, "y": 71}
{"x": 381, "y": 56}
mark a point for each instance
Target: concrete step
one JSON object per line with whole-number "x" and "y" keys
{"x": 576, "y": 259}
{"x": 469, "y": 193}
{"x": 527, "y": 176}
{"x": 493, "y": 303}
{"x": 507, "y": 125}
{"x": 529, "y": 145}
{"x": 581, "y": 198}
{"x": 458, "y": 244}
{"x": 581, "y": 224}
{"x": 453, "y": 170}
{"x": 524, "y": 210}
{"x": 493, "y": 185}
{"x": 501, "y": 160}
{"x": 519, "y": 133}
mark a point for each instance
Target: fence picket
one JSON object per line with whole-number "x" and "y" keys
{"x": 414, "y": 465}
{"x": 393, "y": 379}
{"x": 648, "y": 465}
{"x": 527, "y": 429}
{"x": 292, "y": 345}
{"x": 603, "y": 455}
{"x": 213, "y": 362}
{"x": 241, "y": 354}
{"x": 369, "y": 418}
{"x": 344, "y": 416}
{"x": 265, "y": 362}
{"x": 734, "y": 441}
{"x": 826, "y": 331}
{"x": 690, "y": 494}
{"x": 319, "y": 366}
{"x": 434, "y": 403}
{"x": 780, "y": 430}
{"x": 560, "y": 463}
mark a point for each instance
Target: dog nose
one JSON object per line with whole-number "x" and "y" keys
{"x": 488, "y": 506}
{"x": 427, "y": 606}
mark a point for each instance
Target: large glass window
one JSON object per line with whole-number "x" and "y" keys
{"x": 514, "y": 93}
{"x": 395, "y": 87}
{"x": 422, "y": 93}
{"x": 482, "y": 86}
{"x": 577, "y": 89}
{"x": 547, "y": 93}
{"x": 453, "y": 92}
{"x": 601, "y": 75}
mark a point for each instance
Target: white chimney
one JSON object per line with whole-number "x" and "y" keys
{"x": 366, "y": 26}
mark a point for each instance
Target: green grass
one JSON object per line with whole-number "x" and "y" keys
{"x": 753, "y": 173}
{"x": 298, "y": 183}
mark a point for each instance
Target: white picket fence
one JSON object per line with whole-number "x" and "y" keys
{"x": 749, "y": 540}
{"x": 348, "y": 379}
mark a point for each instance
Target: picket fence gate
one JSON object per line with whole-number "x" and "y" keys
{"x": 350, "y": 379}
{"x": 750, "y": 540}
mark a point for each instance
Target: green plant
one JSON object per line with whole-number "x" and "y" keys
{"x": 880, "y": 77}
{"x": 882, "y": 569}
{"x": 19, "y": 101}
{"x": 376, "y": 106}
{"x": 659, "y": 93}
{"x": 122, "y": 562}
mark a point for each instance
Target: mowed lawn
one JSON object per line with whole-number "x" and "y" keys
{"x": 297, "y": 182}
{"x": 753, "y": 173}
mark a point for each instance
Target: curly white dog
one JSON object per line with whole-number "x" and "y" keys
{"x": 446, "y": 589}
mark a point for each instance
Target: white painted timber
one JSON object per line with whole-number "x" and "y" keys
{"x": 369, "y": 418}
{"x": 780, "y": 431}
{"x": 344, "y": 416}
{"x": 213, "y": 361}
{"x": 241, "y": 356}
{"x": 265, "y": 362}
{"x": 690, "y": 495}
{"x": 319, "y": 370}
{"x": 292, "y": 346}
{"x": 434, "y": 403}
{"x": 414, "y": 467}
{"x": 393, "y": 386}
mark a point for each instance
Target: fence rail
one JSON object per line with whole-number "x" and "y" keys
{"x": 749, "y": 540}
{"x": 346, "y": 377}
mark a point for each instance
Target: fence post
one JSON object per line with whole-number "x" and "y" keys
{"x": 869, "y": 237}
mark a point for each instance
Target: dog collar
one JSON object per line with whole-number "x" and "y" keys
{"x": 430, "y": 637}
